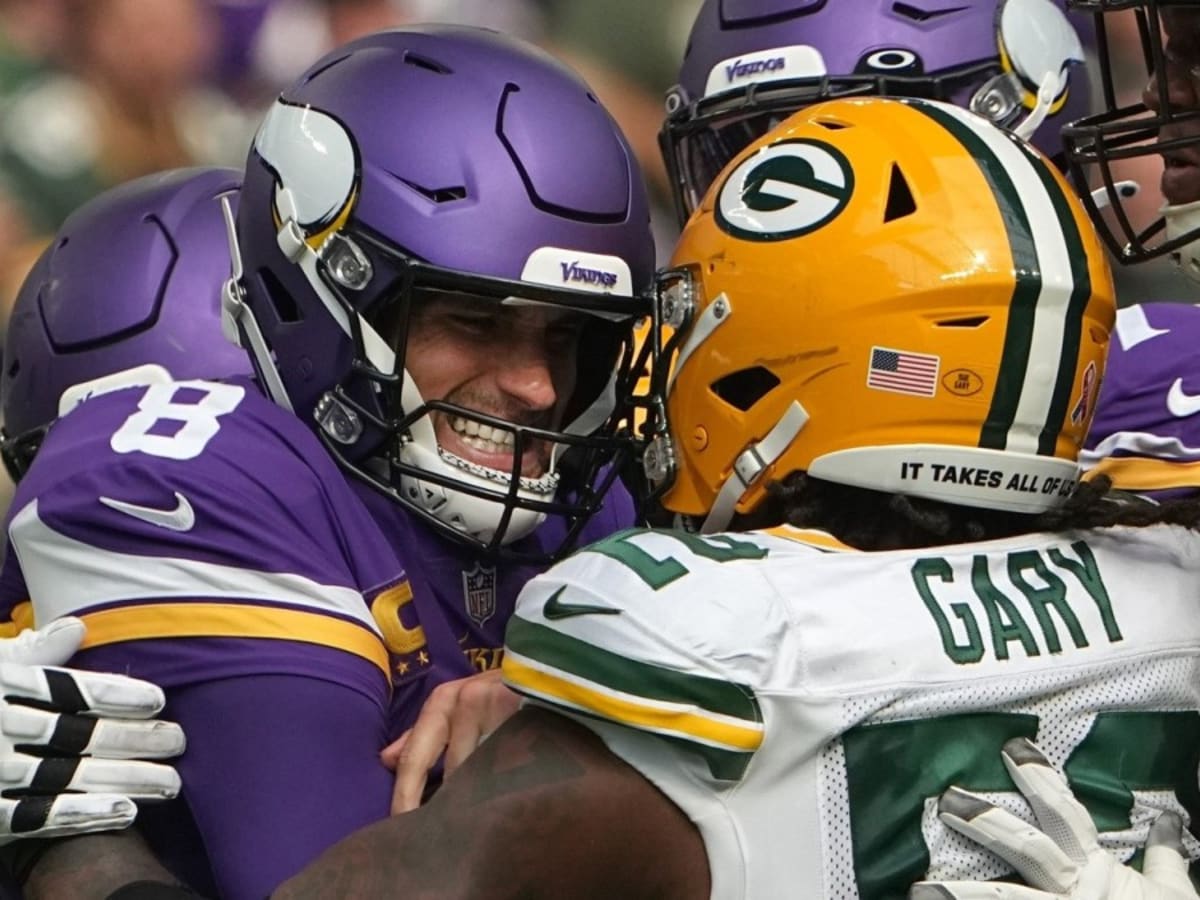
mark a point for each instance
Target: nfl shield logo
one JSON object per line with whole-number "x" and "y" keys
{"x": 479, "y": 589}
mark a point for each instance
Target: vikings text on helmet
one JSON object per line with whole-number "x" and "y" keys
{"x": 425, "y": 161}
{"x": 751, "y": 63}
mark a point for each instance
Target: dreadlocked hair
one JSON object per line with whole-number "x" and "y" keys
{"x": 874, "y": 520}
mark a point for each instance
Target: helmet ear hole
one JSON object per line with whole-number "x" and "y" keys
{"x": 900, "y": 202}
{"x": 744, "y": 388}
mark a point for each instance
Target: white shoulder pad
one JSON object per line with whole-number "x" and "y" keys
{"x": 665, "y": 632}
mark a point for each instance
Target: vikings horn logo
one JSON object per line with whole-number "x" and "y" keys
{"x": 314, "y": 163}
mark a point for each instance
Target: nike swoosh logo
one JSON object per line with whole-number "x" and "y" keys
{"x": 181, "y": 518}
{"x": 556, "y": 609}
{"x": 1179, "y": 404}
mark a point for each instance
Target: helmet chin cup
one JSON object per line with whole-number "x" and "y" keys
{"x": 476, "y": 517}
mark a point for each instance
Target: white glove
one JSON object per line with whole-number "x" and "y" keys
{"x": 70, "y": 740}
{"x": 1063, "y": 858}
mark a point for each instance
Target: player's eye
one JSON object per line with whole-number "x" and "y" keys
{"x": 563, "y": 334}
{"x": 474, "y": 324}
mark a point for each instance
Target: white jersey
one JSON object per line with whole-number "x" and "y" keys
{"x": 805, "y": 704}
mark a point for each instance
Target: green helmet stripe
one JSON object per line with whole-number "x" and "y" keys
{"x": 1037, "y": 363}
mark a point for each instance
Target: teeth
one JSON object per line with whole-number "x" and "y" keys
{"x": 483, "y": 438}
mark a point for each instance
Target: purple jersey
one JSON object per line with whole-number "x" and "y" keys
{"x": 212, "y": 546}
{"x": 474, "y": 597}
{"x": 1146, "y": 434}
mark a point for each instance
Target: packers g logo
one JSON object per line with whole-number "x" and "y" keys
{"x": 785, "y": 190}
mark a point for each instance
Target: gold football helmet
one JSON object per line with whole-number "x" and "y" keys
{"x": 892, "y": 294}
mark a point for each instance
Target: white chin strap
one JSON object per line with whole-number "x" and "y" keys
{"x": 714, "y": 316}
{"x": 237, "y": 318}
{"x": 591, "y": 418}
{"x": 1180, "y": 220}
{"x": 750, "y": 465}
{"x": 1046, "y": 94}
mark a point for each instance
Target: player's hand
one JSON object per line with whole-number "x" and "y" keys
{"x": 72, "y": 741}
{"x": 1062, "y": 858}
{"x": 457, "y": 716}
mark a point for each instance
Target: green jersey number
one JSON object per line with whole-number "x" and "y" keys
{"x": 658, "y": 573}
{"x": 892, "y": 768}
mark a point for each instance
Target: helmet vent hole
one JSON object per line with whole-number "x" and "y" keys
{"x": 900, "y": 202}
{"x": 281, "y": 301}
{"x": 917, "y": 14}
{"x": 744, "y": 388}
{"x": 832, "y": 124}
{"x": 422, "y": 62}
{"x": 438, "y": 195}
{"x": 966, "y": 322}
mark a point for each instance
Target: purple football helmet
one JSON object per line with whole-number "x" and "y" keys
{"x": 1166, "y": 124}
{"x": 751, "y": 63}
{"x": 129, "y": 291}
{"x": 418, "y": 164}
{"x": 1146, "y": 434}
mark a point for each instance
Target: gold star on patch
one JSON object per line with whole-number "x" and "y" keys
{"x": 423, "y": 658}
{"x": 402, "y": 668}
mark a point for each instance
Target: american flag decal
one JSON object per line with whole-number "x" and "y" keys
{"x": 903, "y": 372}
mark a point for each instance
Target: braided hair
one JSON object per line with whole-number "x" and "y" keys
{"x": 874, "y": 520}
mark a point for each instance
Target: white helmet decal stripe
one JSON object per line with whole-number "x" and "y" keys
{"x": 1038, "y": 335}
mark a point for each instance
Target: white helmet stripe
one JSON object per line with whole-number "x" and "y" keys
{"x": 1042, "y": 329}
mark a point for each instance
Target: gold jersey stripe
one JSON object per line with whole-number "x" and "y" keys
{"x": 629, "y": 711}
{"x": 232, "y": 620}
{"x": 1139, "y": 473}
{"x": 811, "y": 537}
{"x": 19, "y": 619}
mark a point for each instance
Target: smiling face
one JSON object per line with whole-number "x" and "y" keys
{"x": 1181, "y": 92}
{"x": 510, "y": 361}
